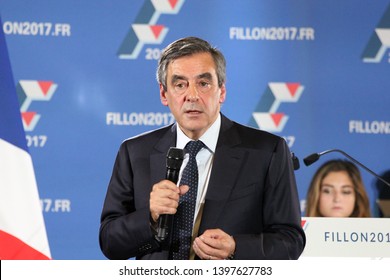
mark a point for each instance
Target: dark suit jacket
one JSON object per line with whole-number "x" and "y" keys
{"x": 252, "y": 195}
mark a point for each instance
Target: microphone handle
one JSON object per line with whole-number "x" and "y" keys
{"x": 357, "y": 162}
{"x": 165, "y": 220}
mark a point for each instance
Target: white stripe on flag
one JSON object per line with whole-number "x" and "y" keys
{"x": 20, "y": 210}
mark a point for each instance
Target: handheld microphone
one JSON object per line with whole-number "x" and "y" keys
{"x": 175, "y": 158}
{"x": 314, "y": 157}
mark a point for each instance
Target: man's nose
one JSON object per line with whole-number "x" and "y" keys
{"x": 192, "y": 93}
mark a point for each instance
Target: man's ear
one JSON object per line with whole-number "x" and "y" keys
{"x": 222, "y": 96}
{"x": 163, "y": 96}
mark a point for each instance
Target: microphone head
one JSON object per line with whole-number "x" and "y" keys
{"x": 175, "y": 158}
{"x": 311, "y": 159}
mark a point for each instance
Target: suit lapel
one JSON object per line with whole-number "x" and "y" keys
{"x": 159, "y": 155}
{"x": 225, "y": 170}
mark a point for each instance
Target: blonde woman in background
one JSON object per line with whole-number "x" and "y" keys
{"x": 337, "y": 190}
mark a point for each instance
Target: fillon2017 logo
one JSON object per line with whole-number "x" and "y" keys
{"x": 380, "y": 40}
{"x": 265, "y": 115}
{"x": 145, "y": 30}
{"x": 32, "y": 90}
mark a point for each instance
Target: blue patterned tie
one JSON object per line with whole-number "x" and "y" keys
{"x": 184, "y": 218}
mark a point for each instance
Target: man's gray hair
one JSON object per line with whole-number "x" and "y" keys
{"x": 186, "y": 47}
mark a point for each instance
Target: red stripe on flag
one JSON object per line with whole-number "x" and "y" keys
{"x": 12, "y": 248}
{"x": 45, "y": 85}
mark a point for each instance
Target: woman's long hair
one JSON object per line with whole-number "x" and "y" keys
{"x": 362, "y": 204}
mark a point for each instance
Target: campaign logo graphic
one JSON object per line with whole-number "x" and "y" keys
{"x": 304, "y": 224}
{"x": 31, "y": 90}
{"x": 380, "y": 40}
{"x": 265, "y": 115}
{"x": 145, "y": 30}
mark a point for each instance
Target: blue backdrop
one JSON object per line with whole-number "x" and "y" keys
{"x": 314, "y": 72}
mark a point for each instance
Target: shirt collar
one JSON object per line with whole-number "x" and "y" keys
{"x": 209, "y": 138}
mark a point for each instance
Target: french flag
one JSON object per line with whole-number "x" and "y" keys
{"x": 22, "y": 228}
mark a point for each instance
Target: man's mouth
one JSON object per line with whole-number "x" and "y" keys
{"x": 193, "y": 111}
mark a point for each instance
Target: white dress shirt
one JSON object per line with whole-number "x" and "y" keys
{"x": 204, "y": 158}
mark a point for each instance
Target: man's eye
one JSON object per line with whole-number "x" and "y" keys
{"x": 204, "y": 84}
{"x": 180, "y": 85}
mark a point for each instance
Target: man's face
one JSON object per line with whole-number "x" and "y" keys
{"x": 192, "y": 94}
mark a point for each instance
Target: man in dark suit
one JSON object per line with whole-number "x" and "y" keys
{"x": 247, "y": 204}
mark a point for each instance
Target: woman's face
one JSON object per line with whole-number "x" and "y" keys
{"x": 337, "y": 195}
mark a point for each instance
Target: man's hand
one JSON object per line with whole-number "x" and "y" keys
{"x": 214, "y": 244}
{"x": 164, "y": 198}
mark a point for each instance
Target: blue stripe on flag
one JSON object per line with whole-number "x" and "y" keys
{"x": 11, "y": 127}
